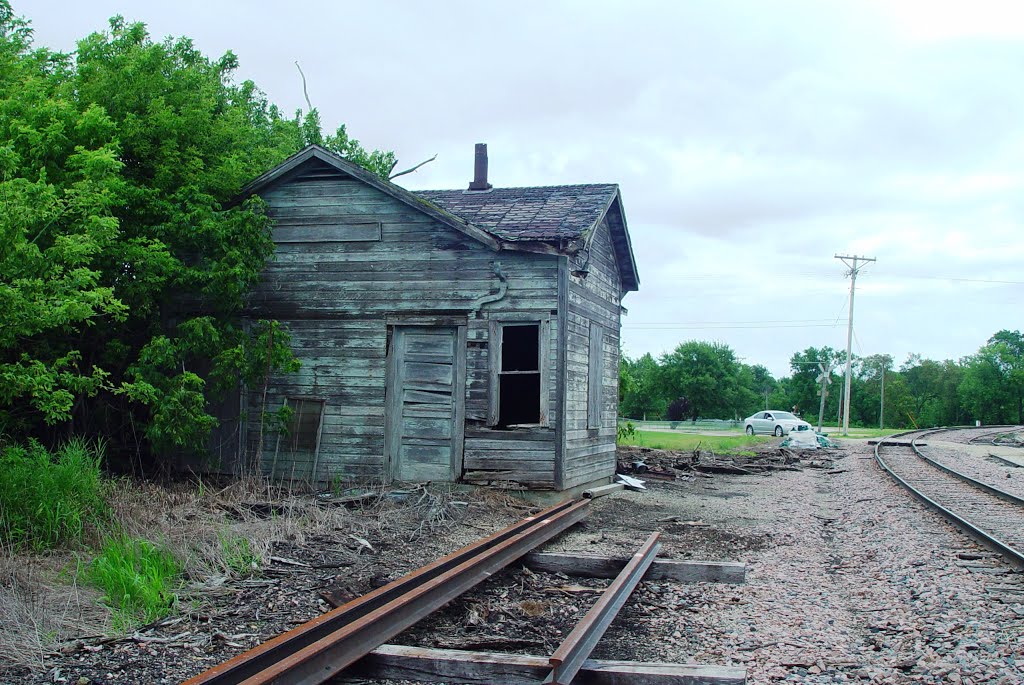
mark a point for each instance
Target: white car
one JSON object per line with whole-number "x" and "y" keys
{"x": 776, "y": 423}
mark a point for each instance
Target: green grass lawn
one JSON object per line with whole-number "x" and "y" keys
{"x": 837, "y": 432}
{"x": 687, "y": 442}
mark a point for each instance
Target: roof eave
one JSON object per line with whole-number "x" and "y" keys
{"x": 553, "y": 247}
{"x": 630, "y": 258}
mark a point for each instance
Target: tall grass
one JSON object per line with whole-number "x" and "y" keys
{"x": 238, "y": 556}
{"x": 48, "y": 499}
{"x": 138, "y": 578}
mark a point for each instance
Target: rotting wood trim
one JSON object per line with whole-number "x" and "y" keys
{"x": 531, "y": 246}
{"x": 561, "y": 371}
{"x": 595, "y": 566}
{"x": 399, "y": 319}
{"x": 459, "y": 398}
{"x": 399, "y": 662}
{"x": 622, "y": 235}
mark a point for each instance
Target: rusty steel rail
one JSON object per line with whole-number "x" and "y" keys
{"x": 320, "y": 648}
{"x": 568, "y": 659}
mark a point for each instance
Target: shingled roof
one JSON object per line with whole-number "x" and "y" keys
{"x": 543, "y": 214}
{"x": 547, "y": 213}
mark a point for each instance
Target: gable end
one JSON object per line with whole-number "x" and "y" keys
{"x": 316, "y": 163}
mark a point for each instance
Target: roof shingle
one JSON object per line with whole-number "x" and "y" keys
{"x": 536, "y": 213}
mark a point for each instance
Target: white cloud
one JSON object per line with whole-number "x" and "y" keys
{"x": 940, "y": 20}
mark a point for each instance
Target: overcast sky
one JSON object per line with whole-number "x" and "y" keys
{"x": 752, "y": 142}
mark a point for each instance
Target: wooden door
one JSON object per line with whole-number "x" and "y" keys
{"x": 426, "y": 395}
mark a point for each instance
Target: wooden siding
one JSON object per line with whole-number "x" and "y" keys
{"x": 338, "y": 296}
{"x": 593, "y": 309}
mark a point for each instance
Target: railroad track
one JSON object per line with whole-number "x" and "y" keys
{"x": 993, "y": 437}
{"x": 324, "y": 647}
{"x": 319, "y": 649}
{"x": 990, "y": 515}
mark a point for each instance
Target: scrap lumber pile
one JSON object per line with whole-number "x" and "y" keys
{"x": 667, "y": 465}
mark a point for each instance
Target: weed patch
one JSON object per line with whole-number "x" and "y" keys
{"x": 240, "y": 556}
{"x": 138, "y": 578}
{"x": 48, "y": 499}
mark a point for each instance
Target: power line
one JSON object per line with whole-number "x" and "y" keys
{"x": 898, "y": 276}
{"x": 687, "y": 327}
{"x": 956, "y": 279}
{"x": 660, "y": 323}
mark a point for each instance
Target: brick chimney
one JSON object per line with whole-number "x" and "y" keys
{"x": 479, "y": 181}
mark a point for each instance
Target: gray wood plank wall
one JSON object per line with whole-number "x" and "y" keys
{"x": 337, "y": 295}
{"x": 594, "y": 307}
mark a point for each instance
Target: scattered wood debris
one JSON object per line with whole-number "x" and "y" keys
{"x": 666, "y": 465}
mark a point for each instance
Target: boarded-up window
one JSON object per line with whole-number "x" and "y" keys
{"x": 519, "y": 372}
{"x": 595, "y": 376}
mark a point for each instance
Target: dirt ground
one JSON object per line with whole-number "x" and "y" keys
{"x": 848, "y": 580}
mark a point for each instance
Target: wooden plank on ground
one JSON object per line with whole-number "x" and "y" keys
{"x": 398, "y": 662}
{"x": 593, "y": 566}
{"x": 602, "y": 490}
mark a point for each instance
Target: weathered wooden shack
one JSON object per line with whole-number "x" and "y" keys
{"x": 454, "y": 335}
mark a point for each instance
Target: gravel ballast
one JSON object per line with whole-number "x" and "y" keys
{"x": 849, "y": 579}
{"x": 859, "y": 584}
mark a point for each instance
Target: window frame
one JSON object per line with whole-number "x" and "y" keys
{"x": 496, "y": 338}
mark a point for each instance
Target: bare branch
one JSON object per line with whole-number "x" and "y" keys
{"x": 412, "y": 169}
{"x": 304, "y": 91}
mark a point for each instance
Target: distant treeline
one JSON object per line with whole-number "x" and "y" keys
{"x": 705, "y": 380}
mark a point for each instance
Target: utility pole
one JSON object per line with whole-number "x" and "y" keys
{"x": 852, "y": 263}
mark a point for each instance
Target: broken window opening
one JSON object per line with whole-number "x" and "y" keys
{"x": 519, "y": 375}
{"x": 298, "y": 443}
{"x": 303, "y": 429}
{"x": 520, "y": 348}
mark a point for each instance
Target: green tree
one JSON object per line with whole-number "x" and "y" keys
{"x": 643, "y": 398}
{"x": 867, "y": 400}
{"x": 707, "y": 374}
{"x": 1008, "y": 349}
{"x": 923, "y": 378}
{"x": 59, "y": 183}
{"x": 992, "y": 386}
{"x": 760, "y": 385}
{"x": 124, "y": 265}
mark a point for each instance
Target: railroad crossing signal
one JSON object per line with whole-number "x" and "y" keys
{"x": 825, "y": 377}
